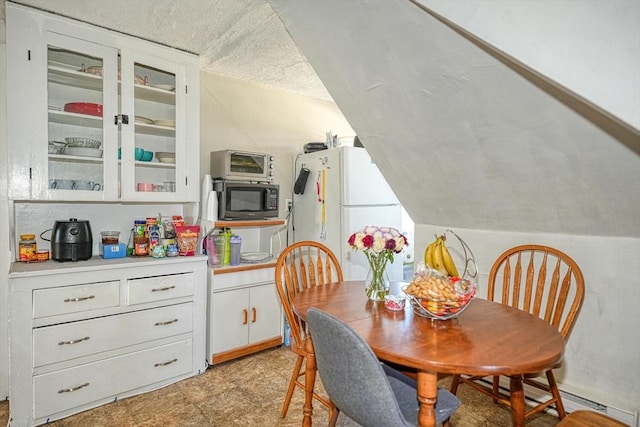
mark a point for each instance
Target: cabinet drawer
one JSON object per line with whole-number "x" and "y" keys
{"x": 159, "y": 288}
{"x": 80, "y": 385}
{"x": 56, "y": 343}
{"x": 76, "y": 298}
{"x": 243, "y": 278}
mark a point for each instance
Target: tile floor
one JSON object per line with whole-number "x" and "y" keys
{"x": 249, "y": 392}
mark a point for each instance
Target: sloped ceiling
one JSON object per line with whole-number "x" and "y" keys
{"x": 591, "y": 48}
{"x": 461, "y": 104}
{"x": 467, "y": 136}
{"x": 241, "y": 39}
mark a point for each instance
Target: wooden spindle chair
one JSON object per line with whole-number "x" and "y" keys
{"x": 300, "y": 266}
{"x": 542, "y": 281}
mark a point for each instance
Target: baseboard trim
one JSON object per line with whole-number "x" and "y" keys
{"x": 573, "y": 403}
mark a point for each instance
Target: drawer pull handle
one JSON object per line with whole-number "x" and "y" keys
{"x": 168, "y": 322}
{"x": 73, "y": 341}
{"x": 79, "y": 298}
{"x": 245, "y": 317}
{"x": 166, "y": 288}
{"x": 69, "y": 390}
{"x": 253, "y": 315}
{"x": 165, "y": 363}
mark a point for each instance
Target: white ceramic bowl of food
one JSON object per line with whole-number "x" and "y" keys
{"x": 82, "y": 142}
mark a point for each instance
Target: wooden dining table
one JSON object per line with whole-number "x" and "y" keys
{"x": 487, "y": 338}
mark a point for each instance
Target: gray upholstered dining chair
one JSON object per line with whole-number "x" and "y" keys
{"x": 368, "y": 392}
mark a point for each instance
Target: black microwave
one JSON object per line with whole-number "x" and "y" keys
{"x": 246, "y": 200}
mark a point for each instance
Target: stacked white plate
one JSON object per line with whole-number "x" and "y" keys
{"x": 140, "y": 119}
{"x": 254, "y": 257}
{"x": 170, "y": 88}
{"x": 83, "y": 151}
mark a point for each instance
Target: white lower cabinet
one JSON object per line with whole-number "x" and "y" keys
{"x": 83, "y": 384}
{"x": 245, "y": 314}
{"x": 77, "y": 342}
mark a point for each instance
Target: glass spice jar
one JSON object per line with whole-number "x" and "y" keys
{"x": 28, "y": 248}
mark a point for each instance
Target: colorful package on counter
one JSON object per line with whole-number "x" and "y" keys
{"x": 177, "y": 220}
{"x": 187, "y": 236}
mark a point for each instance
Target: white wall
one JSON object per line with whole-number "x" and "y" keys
{"x": 4, "y": 215}
{"x": 591, "y": 47}
{"x": 465, "y": 137}
{"x": 240, "y": 115}
{"x": 234, "y": 114}
{"x": 473, "y": 140}
{"x": 601, "y": 357}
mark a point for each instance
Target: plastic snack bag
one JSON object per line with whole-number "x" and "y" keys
{"x": 187, "y": 236}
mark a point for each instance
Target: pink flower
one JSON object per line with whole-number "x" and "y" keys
{"x": 376, "y": 241}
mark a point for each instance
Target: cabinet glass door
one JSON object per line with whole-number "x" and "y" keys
{"x": 152, "y": 142}
{"x": 81, "y": 82}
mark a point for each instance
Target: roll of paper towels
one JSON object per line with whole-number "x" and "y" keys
{"x": 212, "y": 207}
{"x": 207, "y": 187}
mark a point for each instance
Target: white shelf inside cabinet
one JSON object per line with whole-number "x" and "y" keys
{"x": 153, "y": 94}
{"x": 74, "y": 159}
{"x": 65, "y": 118}
{"x": 69, "y": 76}
{"x": 153, "y": 164}
{"x": 74, "y": 78}
{"x": 155, "y": 130}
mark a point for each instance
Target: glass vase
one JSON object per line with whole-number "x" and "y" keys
{"x": 377, "y": 281}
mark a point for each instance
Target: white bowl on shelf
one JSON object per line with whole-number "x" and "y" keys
{"x": 166, "y": 157}
{"x": 83, "y": 152}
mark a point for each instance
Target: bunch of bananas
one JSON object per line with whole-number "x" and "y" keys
{"x": 437, "y": 256}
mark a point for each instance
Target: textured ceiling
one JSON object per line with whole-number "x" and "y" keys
{"x": 242, "y": 39}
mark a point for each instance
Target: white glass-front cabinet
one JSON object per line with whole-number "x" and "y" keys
{"x": 157, "y": 123}
{"x": 95, "y": 115}
{"x": 76, "y": 151}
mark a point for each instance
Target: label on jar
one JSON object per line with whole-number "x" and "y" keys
{"x": 140, "y": 247}
{"x": 28, "y": 250}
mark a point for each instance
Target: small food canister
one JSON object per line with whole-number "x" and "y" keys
{"x": 42, "y": 255}
{"x": 28, "y": 249}
{"x": 110, "y": 237}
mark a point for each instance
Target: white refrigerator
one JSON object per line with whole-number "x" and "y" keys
{"x": 344, "y": 192}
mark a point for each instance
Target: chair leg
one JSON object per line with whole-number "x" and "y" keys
{"x": 292, "y": 385}
{"x": 455, "y": 381}
{"x": 333, "y": 414}
{"x": 556, "y": 394}
{"x": 496, "y": 387}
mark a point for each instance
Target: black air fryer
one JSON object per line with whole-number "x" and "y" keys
{"x": 71, "y": 240}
